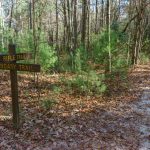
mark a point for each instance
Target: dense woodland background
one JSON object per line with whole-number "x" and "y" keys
{"x": 93, "y": 91}
{"x": 95, "y": 39}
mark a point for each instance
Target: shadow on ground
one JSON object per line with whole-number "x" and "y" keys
{"x": 81, "y": 123}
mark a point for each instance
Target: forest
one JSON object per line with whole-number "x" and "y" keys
{"x": 74, "y": 74}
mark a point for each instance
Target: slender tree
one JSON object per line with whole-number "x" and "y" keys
{"x": 84, "y": 21}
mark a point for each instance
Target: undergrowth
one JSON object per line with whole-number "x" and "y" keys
{"x": 86, "y": 83}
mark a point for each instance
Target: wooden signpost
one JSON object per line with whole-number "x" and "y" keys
{"x": 8, "y": 62}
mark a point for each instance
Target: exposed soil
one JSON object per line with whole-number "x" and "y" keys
{"x": 77, "y": 122}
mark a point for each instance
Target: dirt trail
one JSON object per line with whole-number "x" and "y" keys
{"x": 140, "y": 109}
{"x": 143, "y": 107}
{"x": 123, "y": 126}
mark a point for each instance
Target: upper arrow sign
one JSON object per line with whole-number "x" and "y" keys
{"x": 20, "y": 56}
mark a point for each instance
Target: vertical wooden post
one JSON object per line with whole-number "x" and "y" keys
{"x": 14, "y": 90}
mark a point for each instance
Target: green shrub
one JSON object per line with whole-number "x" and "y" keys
{"x": 57, "y": 90}
{"x": 47, "y": 55}
{"x": 80, "y": 59}
{"x": 87, "y": 83}
{"x": 25, "y": 42}
{"x": 74, "y": 61}
{"x": 48, "y": 103}
{"x": 118, "y": 48}
{"x": 144, "y": 58}
{"x": 64, "y": 64}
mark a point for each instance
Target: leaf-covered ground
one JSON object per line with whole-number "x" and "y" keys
{"x": 76, "y": 122}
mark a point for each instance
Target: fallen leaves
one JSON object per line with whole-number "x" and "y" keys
{"x": 75, "y": 122}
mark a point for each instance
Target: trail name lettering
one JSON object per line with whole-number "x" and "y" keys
{"x": 8, "y": 62}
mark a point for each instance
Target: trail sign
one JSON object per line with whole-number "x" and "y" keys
{"x": 8, "y": 62}
{"x": 20, "y": 67}
{"x": 20, "y": 56}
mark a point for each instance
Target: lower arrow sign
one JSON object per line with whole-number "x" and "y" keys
{"x": 20, "y": 67}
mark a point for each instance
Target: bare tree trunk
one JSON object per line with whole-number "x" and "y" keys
{"x": 34, "y": 30}
{"x": 138, "y": 32}
{"x": 88, "y": 28}
{"x": 75, "y": 26}
{"x": 57, "y": 25}
{"x": 102, "y": 14}
{"x": 107, "y": 16}
{"x": 108, "y": 32}
{"x": 84, "y": 21}
{"x": 30, "y": 15}
{"x": 57, "y": 31}
{"x": 96, "y": 17}
{"x": 65, "y": 38}
{"x": 68, "y": 26}
{"x": 109, "y": 38}
{"x": 11, "y": 14}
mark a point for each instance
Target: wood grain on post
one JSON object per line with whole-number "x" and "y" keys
{"x": 14, "y": 90}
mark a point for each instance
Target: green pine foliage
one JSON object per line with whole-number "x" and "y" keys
{"x": 47, "y": 57}
{"x": 118, "y": 49}
{"x": 80, "y": 59}
{"x": 48, "y": 104}
{"x": 87, "y": 83}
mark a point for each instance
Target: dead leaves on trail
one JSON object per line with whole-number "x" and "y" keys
{"x": 65, "y": 121}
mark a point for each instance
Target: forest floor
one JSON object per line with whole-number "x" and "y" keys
{"x": 75, "y": 122}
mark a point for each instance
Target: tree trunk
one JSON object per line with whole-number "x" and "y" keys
{"x": 102, "y": 14}
{"x": 96, "y": 17}
{"x": 75, "y": 26}
{"x": 30, "y": 15}
{"x": 84, "y": 22}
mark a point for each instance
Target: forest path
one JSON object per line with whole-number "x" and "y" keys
{"x": 81, "y": 123}
{"x": 143, "y": 107}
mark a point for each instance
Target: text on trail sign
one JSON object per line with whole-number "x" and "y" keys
{"x": 8, "y": 62}
{"x": 20, "y": 56}
{"x": 20, "y": 67}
